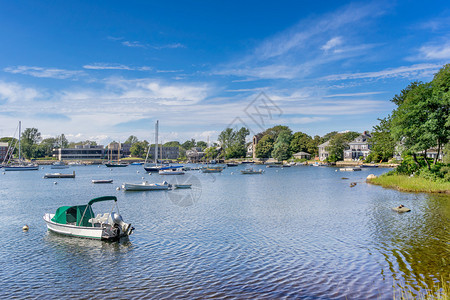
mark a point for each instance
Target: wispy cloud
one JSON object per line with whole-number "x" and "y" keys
{"x": 168, "y": 46}
{"x": 45, "y": 72}
{"x": 310, "y": 44}
{"x": 437, "y": 51}
{"x": 415, "y": 71}
{"x": 13, "y": 92}
{"x": 133, "y": 44}
{"x": 104, "y": 66}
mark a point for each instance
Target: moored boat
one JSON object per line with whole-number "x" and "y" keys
{"x": 214, "y": 169}
{"x": 59, "y": 175}
{"x": 145, "y": 186}
{"x": 350, "y": 169}
{"x": 102, "y": 181}
{"x": 252, "y": 171}
{"x": 182, "y": 186}
{"x": 80, "y": 221}
{"x": 59, "y": 165}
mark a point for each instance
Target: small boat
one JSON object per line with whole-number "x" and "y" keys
{"x": 401, "y": 209}
{"x": 21, "y": 167}
{"x": 171, "y": 172}
{"x": 116, "y": 165}
{"x": 102, "y": 181}
{"x": 286, "y": 166}
{"x": 137, "y": 163}
{"x": 350, "y": 169}
{"x": 252, "y": 171}
{"x": 232, "y": 164}
{"x": 182, "y": 186}
{"x": 76, "y": 164}
{"x": 319, "y": 165}
{"x": 59, "y": 165}
{"x": 210, "y": 169}
{"x": 145, "y": 186}
{"x": 59, "y": 175}
{"x": 369, "y": 166}
{"x": 274, "y": 166}
{"x": 80, "y": 221}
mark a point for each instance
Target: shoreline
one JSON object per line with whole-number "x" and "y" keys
{"x": 405, "y": 183}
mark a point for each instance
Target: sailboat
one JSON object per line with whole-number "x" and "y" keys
{"x": 21, "y": 166}
{"x": 155, "y": 167}
{"x": 112, "y": 164}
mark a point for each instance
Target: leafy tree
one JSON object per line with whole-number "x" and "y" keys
{"x": 328, "y": 136}
{"x": 211, "y": 153}
{"x": 29, "y": 141}
{"x": 313, "y": 146}
{"x": 264, "y": 147}
{"x": 202, "y": 144}
{"x": 61, "y": 141}
{"x": 46, "y": 147}
{"x": 338, "y": 144}
{"x": 172, "y": 144}
{"x": 131, "y": 140}
{"x": 189, "y": 144}
{"x": 281, "y": 149}
{"x": 350, "y": 135}
{"x": 233, "y": 142}
{"x": 300, "y": 142}
{"x": 274, "y": 131}
{"x": 139, "y": 149}
{"x": 382, "y": 143}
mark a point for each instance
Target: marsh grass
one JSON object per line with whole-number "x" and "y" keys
{"x": 411, "y": 184}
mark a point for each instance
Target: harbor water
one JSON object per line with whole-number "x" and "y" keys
{"x": 300, "y": 232}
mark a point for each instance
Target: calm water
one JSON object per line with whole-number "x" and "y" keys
{"x": 298, "y": 232}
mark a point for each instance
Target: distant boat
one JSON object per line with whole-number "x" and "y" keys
{"x": 251, "y": 171}
{"x": 171, "y": 171}
{"x": 274, "y": 166}
{"x": 112, "y": 164}
{"x": 210, "y": 169}
{"x": 145, "y": 186}
{"x": 350, "y": 169}
{"x": 232, "y": 164}
{"x": 21, "y": 166}
{"x": 76, "y": 164}
{"x": 80, "y": 221}
{"x": 369, "y": 166}
{"x": 102, "y": 181}
{"x": 59, "y": 175}
{"x": 182, "y": 186}
{"x": 137, "y": 163}
{"x": 59, "y": 165}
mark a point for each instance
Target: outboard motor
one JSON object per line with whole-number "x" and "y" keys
{"x": 125, "y": 228}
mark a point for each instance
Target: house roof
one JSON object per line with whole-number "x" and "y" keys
{"x": 302, "y": 153}
{"x": 324, "y": 144}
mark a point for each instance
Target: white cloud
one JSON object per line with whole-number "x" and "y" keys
{"x": 414, "y": 71}
{"x": 12, "y": 92}
{"x": 104, "y": 66}
{"x": 332, "y": 43}
{"x": 44, "y": 72}
{"x": 435, "y": 52}
{"x": 133, "y": 44}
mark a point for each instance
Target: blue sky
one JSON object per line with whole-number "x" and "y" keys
{"x": 103, "y": 70}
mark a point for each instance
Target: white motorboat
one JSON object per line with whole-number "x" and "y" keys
{"x": 350, "y": 169}
{"x": 252, "y": 171}
{"x": 59, "y": 175}
{"x": 102, "y": 181}
{"x": 172, "y": 171}
{"x": 182, "y": 186}
{"x": 145, "y": 186}
{"x": 80, "y": 221}
{"x": 59, "y": 165}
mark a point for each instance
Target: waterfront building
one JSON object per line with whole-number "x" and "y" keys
{"x": 359, "y": 148}
{"x": 114, "y": 148}
{"x": 3, "y": 151}
{"x": 302, "y": 155}
{"x": 165, "y": 152}
{"x": 80, "y": 152}
{"x": 323, "y": 153}
{"x": 195, "y": 154}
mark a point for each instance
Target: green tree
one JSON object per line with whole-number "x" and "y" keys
{"x": 382, "y": 143}
{"x": 139, "y": 149}
{"x": 338, "y": 144}
{"x": 46, "y": 147}
{"x": 281, "y": 149}
{"x": 202, "y": 144}
{"x": 264, "y": 147}
{"x": 29, "y": 142}
{"x": 172, "y": 144}
{"x": 275, "y": 131}
{"x": 131, "y": 140}
{"x": 61, "y": 141}
{"x": 300, "y": 142}
{"x": 328, "y": 136}
{"x": 189, "y": 144}
{"x": 233, "y": 142}
{"x": 211, "y": 153}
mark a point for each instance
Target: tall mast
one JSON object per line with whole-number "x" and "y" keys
{"x": 156, "y": 142}
{"x": 20, "y": 159}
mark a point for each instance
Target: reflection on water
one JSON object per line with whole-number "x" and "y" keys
{"x": 299, "y": 232}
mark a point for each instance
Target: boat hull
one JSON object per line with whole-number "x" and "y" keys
{"x": 71, "y": 230}
{"x": 21, "y": 168}
{"x": 144, "y": 187}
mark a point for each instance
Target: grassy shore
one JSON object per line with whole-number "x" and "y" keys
{"x": 440, "y": 292}
{"x": 411, "y": 184}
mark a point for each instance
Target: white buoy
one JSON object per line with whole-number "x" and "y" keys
{"x": 98, "y": 166}
{"x": 4, "y": 173}
{"x": 335, "y": 170}
{"x": 118, "y": 188}
{"x": 137, "y": 172}
{"x": 232, "y": 173}
{"x": 277, "y": 171}
{"x": 142, "y": 177}
{"x": 55, "y": 182}
{"x": 25, "y": 228}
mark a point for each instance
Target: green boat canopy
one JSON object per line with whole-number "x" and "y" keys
{"x": 104, "y": 198}
{"x": 74, "y": 214}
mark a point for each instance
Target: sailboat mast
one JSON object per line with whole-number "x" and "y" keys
{"x": 156, "y": 142}
{"x": 20, "y": 124}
